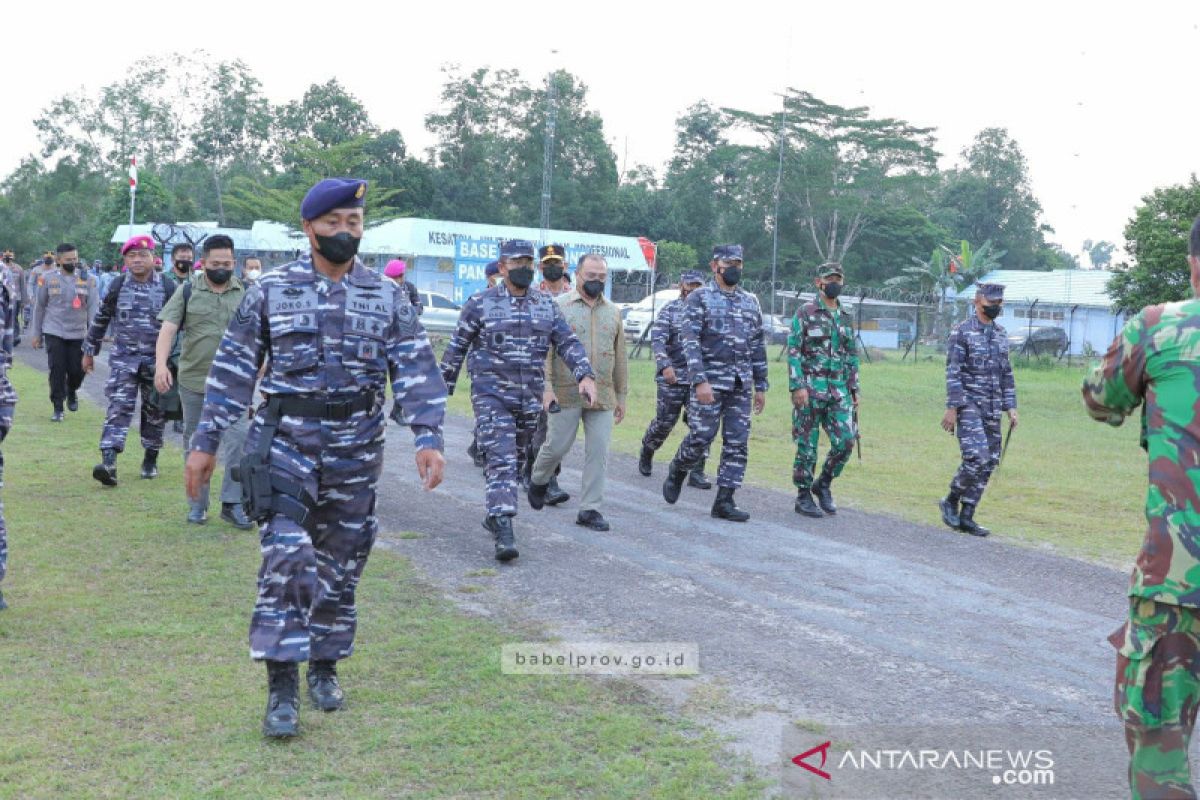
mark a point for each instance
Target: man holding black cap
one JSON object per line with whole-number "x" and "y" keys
{"x": 131, "y": 305}
{"x": 509, "y": 330}
{"x": 666, "y": 340}
{"x": 337, "y": 335}
{"x": 979, "y": 390}
{"x": 823, "y": 377}
{"x": 63, "y": 307}
{"x": 727, "y": 365}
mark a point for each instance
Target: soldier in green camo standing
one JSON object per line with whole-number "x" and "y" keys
{"x": 1155, "y": 361}
{"x": 823, "y": 377}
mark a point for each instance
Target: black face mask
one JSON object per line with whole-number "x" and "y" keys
{"x": 219, "y": 276}
{"x": 831, "y": 290}
{"x": 593, "y": 289}
{"x": 339, "y": 248}
{"x": 520, "y": 277}
{"x": 732, "y": 275}
{"x": 991, "y": 312}
{"x": 68, "y": 267}
{"x": 184, "y": 267}
{"x": 8, "y": 259}
{"x": 552, "y": 273}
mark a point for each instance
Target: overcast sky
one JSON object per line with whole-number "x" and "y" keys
{"x": 1103, "y": 102}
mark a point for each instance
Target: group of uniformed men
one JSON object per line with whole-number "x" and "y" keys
{"x": 323, "y": 336}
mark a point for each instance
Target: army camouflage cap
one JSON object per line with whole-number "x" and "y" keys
{"x": 829, "y": 269}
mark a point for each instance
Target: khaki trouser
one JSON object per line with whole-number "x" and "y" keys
{"x": 231, "y": 446}
{"x": 597, "y": 431}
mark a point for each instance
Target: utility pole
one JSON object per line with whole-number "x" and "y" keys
{"x": 778, "y": 191}
{"x": 548, "y": 148}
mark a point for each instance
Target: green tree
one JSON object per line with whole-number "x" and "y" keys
{"x": 672, "y": 258}
{"x": 327, "y": 114}
{"x": 1156, "y": 241}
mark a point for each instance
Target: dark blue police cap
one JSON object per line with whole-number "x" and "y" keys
{"x": 691, "y": 276}
{"x": 333, "y": 193}
{"x": 724, "y": 252}
{"x": 516, "y": 248}
{"x": 552, "y": 251}
{"x": 493, "y": 268}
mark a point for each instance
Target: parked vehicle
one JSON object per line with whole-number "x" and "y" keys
{"x": 637, "y": 317}
{"x": 1047, "y": 340}
{"x": 440, "y": 314}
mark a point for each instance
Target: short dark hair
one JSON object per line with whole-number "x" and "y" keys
{"x": 65, "y": 247}
{"x": 218, "y": 241}
{"x": 256, "y": 258}
{"x": 597, "y": 256}
{"x": 183, "y": 246}
{"x": 1194, "y": 239}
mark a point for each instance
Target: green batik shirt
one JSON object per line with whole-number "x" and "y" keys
{"x": 822, "y": 352}
{"x": 1156, "y": 360}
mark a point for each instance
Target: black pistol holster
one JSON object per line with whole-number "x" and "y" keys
{"x": 265, "y": 491}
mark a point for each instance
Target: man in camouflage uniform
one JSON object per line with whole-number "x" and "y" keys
{"x": 823, "y": 378}
{"x": 726, "y": 354}
{"x": 63, "y": 306}
{"x": 508, "y": 330}
{"x": 335, "y": 335}
{"x": 673, "y": 387}
{"x": 8, "y": 400}
{"x": 552, "y": 262}
{"x": 979, "y": 390}
{"x": 1155, "y": 363}
{"x": 131, "y": 305}
{"x": 492, "y": 274}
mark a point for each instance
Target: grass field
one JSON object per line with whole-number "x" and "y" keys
{"x": 124, "y": 668}
{"x": 1067, "y": 483}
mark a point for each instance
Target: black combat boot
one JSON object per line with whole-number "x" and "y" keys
{"x": 805, "y": 504}
{"x": 72, "y": 402}
{"x": 323, "y": 687}
{"x": 824, "y": 496}
{"x": 697, "y": 479}
{"x": 235, "y": 515}
{"x": 537, "y": 495}
{"x": 106, "y": 470}
{"x": 150, "y": 464}
{"x": 502, "y": 532}
{"x": 554, "y": 493}
{"x": 673, "y": 485}
{"x": 967, "y": 524}
{"x": 646, "y": 461}
{"x": 949, "y": 507}
{"x": 282, "y": 719}
{"x": 725, "y": 508}
{"x": 58, "y": 415}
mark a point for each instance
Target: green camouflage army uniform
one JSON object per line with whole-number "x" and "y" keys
{"x": 1156, "y": 360}
{"x": 822, "y": 358}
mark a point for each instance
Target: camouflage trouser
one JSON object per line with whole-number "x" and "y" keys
{"x": 979, "y": 442}
{"x": 3, "y": 527}
{"x": 837, "y": 418}
{"x": 128, "y": 377}
{"x": 504, "y": 427}
{"x": 306, "y": 604}
{"x": 1156, "y": 695}
{"x": 730, "y": 410}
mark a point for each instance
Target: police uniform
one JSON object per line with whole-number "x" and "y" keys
{"x": 8, "y": 401}
{"x": 723, "y": 343}
{"x": 666, "y": 340}
{"x": 132, "y": 306}
{"x": 551, "y": 256}
{"x": 980, "y": 386}
{"x": 314, "y": 452}
{"x": 29, "y": 289}
{"x": 508, "y": 337}
{"x": 16, "y": 277}
{"x": 823, "y": 360}
{"x": 64, "y": 306}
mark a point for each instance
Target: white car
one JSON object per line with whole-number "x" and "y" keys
{"x": 638, "y": 316}
{"x": 440, "y": 314}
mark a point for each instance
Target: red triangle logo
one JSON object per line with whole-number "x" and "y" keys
{"x": 823, "y": 749}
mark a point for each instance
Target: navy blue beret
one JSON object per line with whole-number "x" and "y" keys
{"x": 727, "y": 252}
{"x": 333, "y": 193}
{"x": 516, "y": 248}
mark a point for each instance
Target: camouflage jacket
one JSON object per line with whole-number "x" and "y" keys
{"x": 1156, "y": 360}
{"x": 512, "y": 336}
{"x": 822, "y": 352}
{"x": 132, "y": 307}
{"x": 667, "y": 343}
{"x": 8, "y": 323}
{"x": 978, "y": 370}
{"x": 723, "y": 341}
{"x": 324, "y": 339}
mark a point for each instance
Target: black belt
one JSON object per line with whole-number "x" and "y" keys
{"x": 321, "y": 408}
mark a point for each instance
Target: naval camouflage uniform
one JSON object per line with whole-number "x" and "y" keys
{"x": 8, "y": 399}
{"x": 1155, "y": 362}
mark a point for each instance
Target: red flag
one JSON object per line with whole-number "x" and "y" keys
{"x": 133, "y": 172}
{"x": 649, "y": 251}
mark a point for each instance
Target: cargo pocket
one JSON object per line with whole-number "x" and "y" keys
{"x": 1149, "y": 646}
